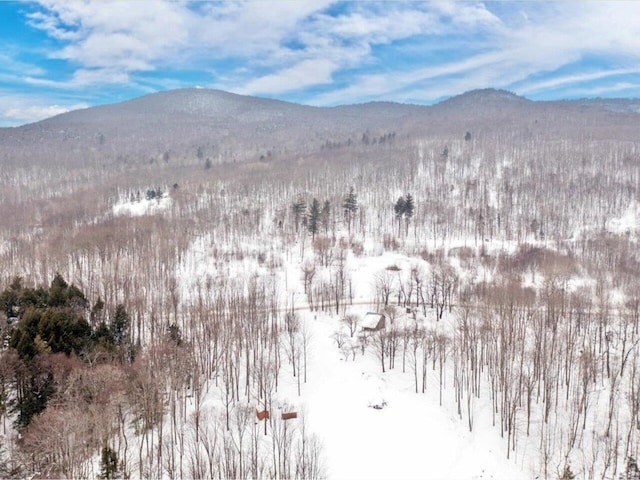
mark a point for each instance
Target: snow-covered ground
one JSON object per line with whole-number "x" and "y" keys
{"x": 627, "y": 222}
{"x": 408, "y": 434}
{"x": 411, "y": 436}
{"x": 143, "y": 206}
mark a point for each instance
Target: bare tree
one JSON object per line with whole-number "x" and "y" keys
{"x": 351, "y": 321}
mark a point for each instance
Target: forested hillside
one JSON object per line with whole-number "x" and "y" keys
{"x": 181, "y": 273}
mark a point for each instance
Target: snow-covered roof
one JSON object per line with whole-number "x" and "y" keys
{"x": 371, "y": 320}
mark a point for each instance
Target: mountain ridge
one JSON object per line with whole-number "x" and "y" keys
{"x": 203, "y": 123}
{"x": 180, "y": 100}
{"x": 214, "y": 102}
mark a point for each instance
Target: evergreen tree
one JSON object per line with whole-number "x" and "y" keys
{"x": 62, "y": 294}
{"x": 409, "y": 208}
{"x": 404, "y": 208}
{"x": 9, "y": 299}
{"x": 120, "y": 326}
{"x": 325, "y": 216}
{"x": 96, "y": 312}
{"x": 174, "y": 334}
{"x": 314, "y": 217}
{"x": 632, "y": 472}
{"x": 64, "y": 331}
{"x": 36, "y": 387}
{"x": 299, "y": 208}
{"x": 57, "y": 291}
{"x": 350, "y": 206}
{"x": 102, "y": 337}
{"x": 108, "y": 464}
{"x": 399, "y": 209}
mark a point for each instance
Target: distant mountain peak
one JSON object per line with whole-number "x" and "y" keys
{"x": 485, "y": 96}
{"x": 492, "y": 93}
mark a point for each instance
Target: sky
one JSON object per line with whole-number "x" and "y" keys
{"x": 60, "y": 55}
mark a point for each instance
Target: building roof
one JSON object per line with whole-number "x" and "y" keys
{"x": 371, "y": 320}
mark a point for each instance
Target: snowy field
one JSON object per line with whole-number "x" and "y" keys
{"x": 371, "y": 425}
{"x": 410, "y": 437}
{"x": 142, "y": 206}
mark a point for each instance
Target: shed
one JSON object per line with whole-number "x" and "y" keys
{"x": 372, "y": 322}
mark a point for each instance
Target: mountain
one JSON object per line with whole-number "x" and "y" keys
{"x": 487, "y": 97}
{"x": 198, "y": 123}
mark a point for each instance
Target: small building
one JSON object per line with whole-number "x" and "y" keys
{"x": 372, "y": 322}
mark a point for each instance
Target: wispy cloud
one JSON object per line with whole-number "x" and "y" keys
{"x": 280, "y": 39}
{"x": 615, "y": 88}
{"x": 302, "y": 75}
{"x": 9, "y": 64}
{"x": 573, "y": 79}
{"x": 531, "y": 46}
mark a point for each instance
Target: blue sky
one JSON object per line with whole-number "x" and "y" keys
{"x": 59, "y": 55}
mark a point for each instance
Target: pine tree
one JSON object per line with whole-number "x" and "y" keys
{"x": 632, "y": 472}
{"x": 120, "y": 325}
{"x": 314, "y": 217}
{"x": 399, "y": 209}
{"x": 299, "y": 208}
{"x": 108, "y": 463}
{"x": 96, "y": 312}
{"x": 350, "y": 206}
{"x": 9, "y": 298}
{"x": 325, "y": 216}
{"x": 409, "y": 208}
{"x": 57, "y": 291}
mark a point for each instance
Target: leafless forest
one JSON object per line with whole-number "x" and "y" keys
{"x": 524, "y": 238}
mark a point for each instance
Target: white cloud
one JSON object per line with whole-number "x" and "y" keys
{"x": 21, "y": 111}
{"x": 374, "y": 28}
{"x": 254, "y": 30}
{"x": 305, "y": 74}
{"x": 285, "y": 38}
{"x": 115, "y": 35}
{"x": 142, "y": 35}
